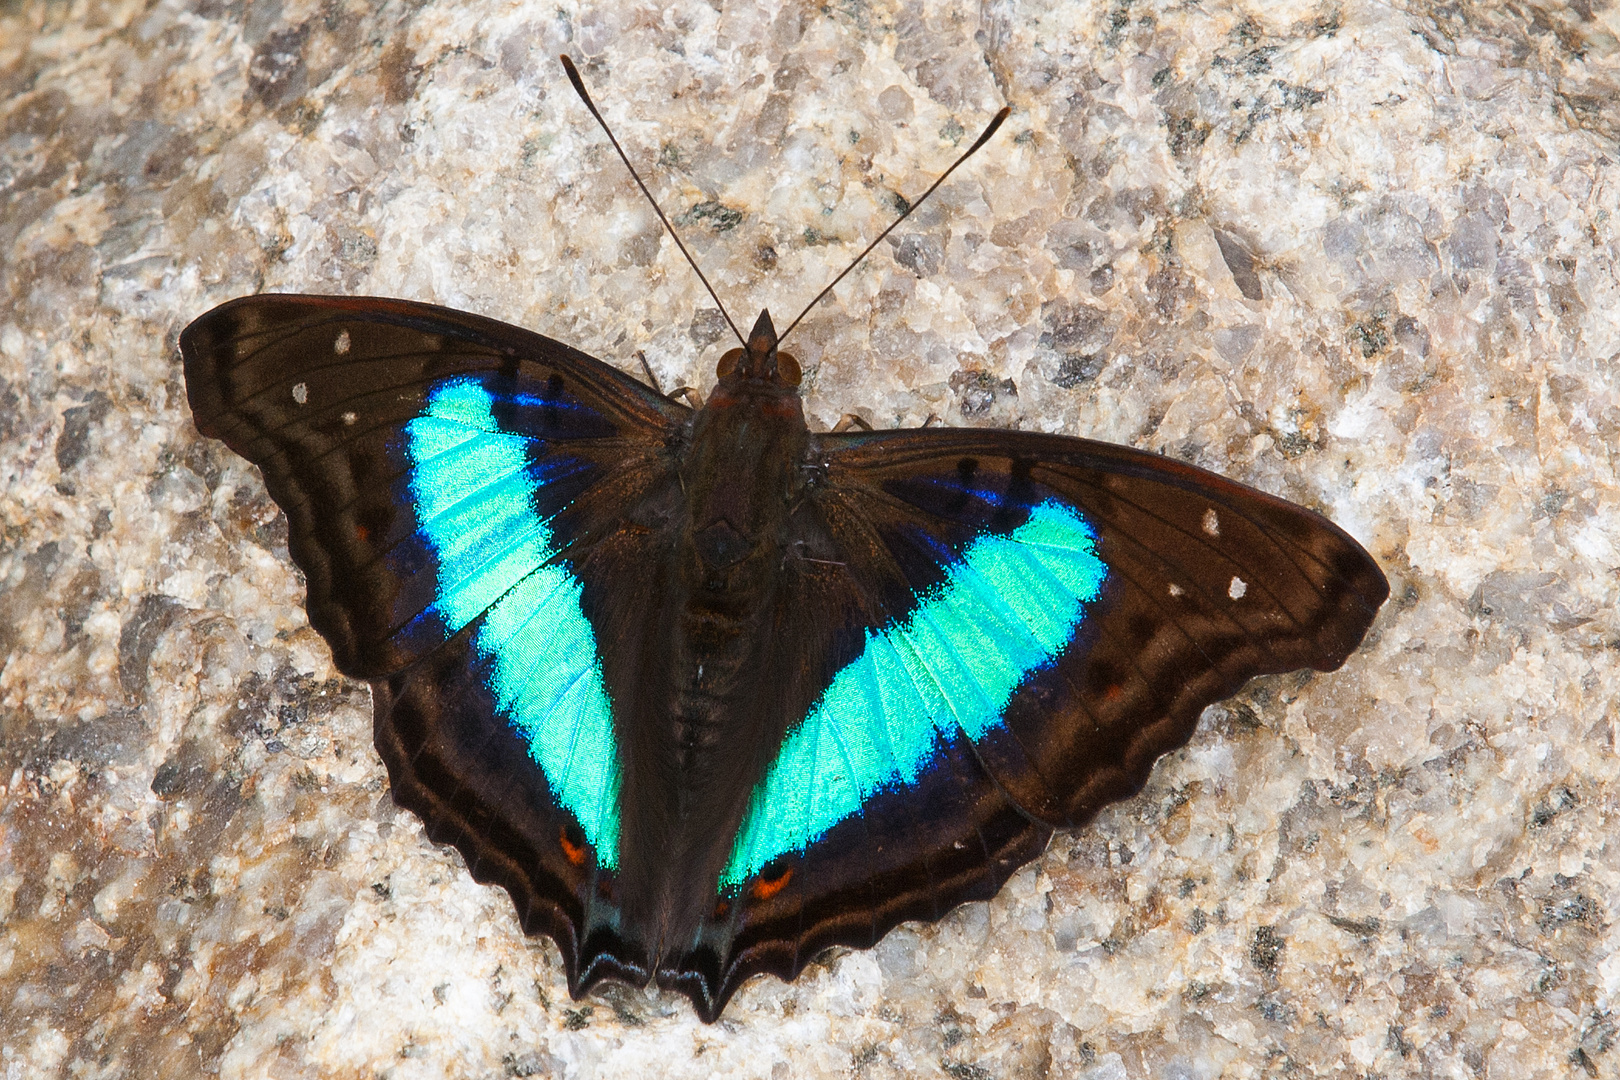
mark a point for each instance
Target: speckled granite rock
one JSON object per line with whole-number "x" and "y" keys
{"x": 1360, "y": 255}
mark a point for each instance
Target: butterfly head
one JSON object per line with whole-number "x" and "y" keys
{"x": 759, "y": 365}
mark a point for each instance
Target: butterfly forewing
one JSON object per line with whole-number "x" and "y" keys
{"x": 1207, "y": 584}
{"x": 318, "y": 391}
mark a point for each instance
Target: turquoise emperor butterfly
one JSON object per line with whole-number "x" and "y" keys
{"x": 707, "y": 692}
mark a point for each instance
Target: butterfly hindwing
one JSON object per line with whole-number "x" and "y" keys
{"x": 914, "y": 852}
{"x": 461, "y": 765}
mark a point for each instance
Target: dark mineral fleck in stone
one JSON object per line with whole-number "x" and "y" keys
{"x": 77, "y": 422}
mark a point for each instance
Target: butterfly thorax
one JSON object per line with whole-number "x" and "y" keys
{"x": 741, "y": 477}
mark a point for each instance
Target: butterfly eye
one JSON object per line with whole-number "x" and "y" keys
{"x": 788, "y": 369}
{"x": 728, "y": 362}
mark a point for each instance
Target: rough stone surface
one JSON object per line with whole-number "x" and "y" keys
{"x": 1362, "y": 255}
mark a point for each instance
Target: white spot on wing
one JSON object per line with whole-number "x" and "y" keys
{"x": 341, "y": 345}
{"x": 1237, "y": 588}
{"x": 300, "y": 393}
{"x": 1176, "y": 590}
{"x": 1212, "y": 524}
{"x": 349, "y": 418}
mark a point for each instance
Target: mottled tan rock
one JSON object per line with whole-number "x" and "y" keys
{"x": 1360, "y": 255}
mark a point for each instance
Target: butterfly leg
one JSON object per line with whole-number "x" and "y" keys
{"x": 849, "y": 422}
{"x": 685, "y": 393}
{"x": 646, "y": 369}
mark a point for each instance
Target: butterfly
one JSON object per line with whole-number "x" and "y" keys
{"x": 708, "y": 692}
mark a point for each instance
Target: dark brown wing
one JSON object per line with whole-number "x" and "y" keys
{"x": 445, "y": 479}
{"x": 1203, "y": 584}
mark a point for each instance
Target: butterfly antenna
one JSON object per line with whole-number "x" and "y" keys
{"x": 579, "y": 88}
{"x": 1006, "y": 110}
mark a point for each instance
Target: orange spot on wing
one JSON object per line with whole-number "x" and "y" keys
{"x": 765, "y": 888}
{"x": 363, "y": 533}
{"x": 574, "y": 852}
{"x": 1114, "y": 692}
